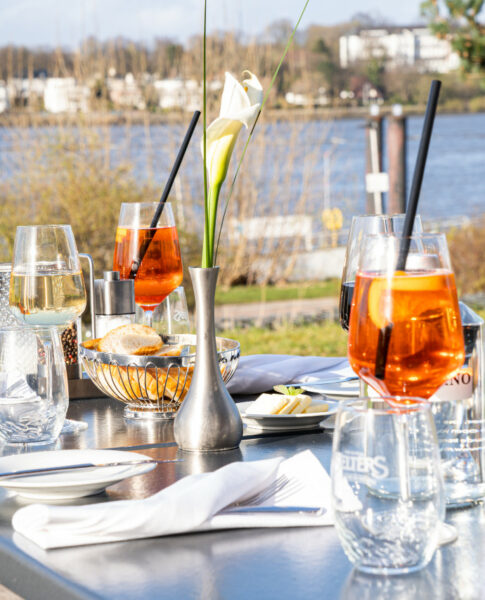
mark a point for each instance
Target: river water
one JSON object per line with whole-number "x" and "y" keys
{"x": 289, "y": 160}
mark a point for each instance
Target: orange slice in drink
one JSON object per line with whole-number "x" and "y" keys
{"x": 120, "y": 234}
{"x": 386, "y": 304}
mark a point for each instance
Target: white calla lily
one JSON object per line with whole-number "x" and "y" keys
{"x": 240, "y": 106}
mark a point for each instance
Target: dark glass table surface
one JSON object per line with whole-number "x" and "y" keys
{"x": 238, "y": 564}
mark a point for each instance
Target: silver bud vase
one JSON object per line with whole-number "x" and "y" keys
{"x": 208, "y": 419}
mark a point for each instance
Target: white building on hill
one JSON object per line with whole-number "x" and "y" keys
{"x": 401, "y": 46}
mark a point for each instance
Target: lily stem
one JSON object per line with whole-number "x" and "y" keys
{"x": 210, "y": 225}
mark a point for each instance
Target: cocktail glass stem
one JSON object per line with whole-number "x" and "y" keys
{"x": 70, "y": 426}
{"x": 148, "y": 317}
{"x": 169, "y": 316}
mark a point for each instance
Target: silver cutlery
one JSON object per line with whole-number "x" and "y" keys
{"x": 281, "y": 488}
{"x": 314, "y": 510}
{"x": 81, "y": 466}
{"x": 326, "y": 381}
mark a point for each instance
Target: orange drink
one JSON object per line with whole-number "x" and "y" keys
{"x": 147, "y": 250}
{"x": 160, "y": 271}
{"x": 419, "y": 313}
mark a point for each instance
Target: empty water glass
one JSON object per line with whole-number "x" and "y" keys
{"x": 387, "y": 490}
{"x": 33, "y": 385}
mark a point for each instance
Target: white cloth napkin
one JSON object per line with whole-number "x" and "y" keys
{"x": 260, "y": 372}
{"x": 191, "y": 504}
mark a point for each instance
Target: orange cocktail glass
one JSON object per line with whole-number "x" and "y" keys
{"x": 411, "y": 318}
{"x": 159, "y": 271}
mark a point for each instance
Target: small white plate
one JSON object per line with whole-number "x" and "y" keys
{"x": 72, "y": 484}
{"x": 345, "y": 389}
{"x": 285, "y": 422}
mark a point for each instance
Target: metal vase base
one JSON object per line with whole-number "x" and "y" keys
{"x": 208, "y": 419}
{"x": 147, "y": 415}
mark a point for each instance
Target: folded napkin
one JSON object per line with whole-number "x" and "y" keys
{"x": 194, "y": 503}
{"x": 260, "y": 372}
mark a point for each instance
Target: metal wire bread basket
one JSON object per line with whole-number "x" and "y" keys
{"x": 153, "y": 386}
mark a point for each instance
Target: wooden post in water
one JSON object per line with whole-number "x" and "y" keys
{"x": 396, "y": 154}
{"x": 373, "y": 160}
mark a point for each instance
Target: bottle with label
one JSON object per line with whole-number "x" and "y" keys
{"x": 114, "y": 302}
{"x": 459, "y": 411}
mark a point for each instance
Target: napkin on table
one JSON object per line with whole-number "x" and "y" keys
{"x": 193, "y": 503}
{"x": 260, "y": 372}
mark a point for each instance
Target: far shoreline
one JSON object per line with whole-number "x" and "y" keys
{"x": 23, "y": 118}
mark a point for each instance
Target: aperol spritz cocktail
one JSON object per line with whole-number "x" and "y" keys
{"x": 405, "y": 335}
{"x": 149, "y": 255}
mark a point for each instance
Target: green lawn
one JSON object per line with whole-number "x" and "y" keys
{"x": 240, "y": 294}
{"x": 317, "y": 339}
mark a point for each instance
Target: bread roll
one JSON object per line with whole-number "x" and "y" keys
{"x": 133, "y": 339}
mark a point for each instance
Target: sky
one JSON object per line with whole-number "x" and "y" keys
{"x": 65, "y": 22}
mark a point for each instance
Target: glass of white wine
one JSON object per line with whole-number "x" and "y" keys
{"x": 47, "y": 284}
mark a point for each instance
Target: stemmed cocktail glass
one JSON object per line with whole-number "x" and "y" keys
{"x": 361, "y": 226}
{"x": 405, "y": 335}
{"x": 149, "y": 255}
{"x": 47, "y": 284}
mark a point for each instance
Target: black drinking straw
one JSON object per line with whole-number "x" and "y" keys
{"x": 412, "y": 207}
{"x": 166, "y": 191}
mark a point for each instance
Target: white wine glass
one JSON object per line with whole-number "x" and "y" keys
{"x": 47, "y": 285}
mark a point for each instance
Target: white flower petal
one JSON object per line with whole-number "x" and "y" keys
{"x": 253, "y": 88}
{"x": 221, "y": 137}
{"x": 234, "y": 97}
{"x": 240, "y": 105}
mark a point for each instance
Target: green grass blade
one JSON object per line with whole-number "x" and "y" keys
{"x": 265, "y": 98}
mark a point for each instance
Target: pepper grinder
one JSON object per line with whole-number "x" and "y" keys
{"x": 114, "y": 302}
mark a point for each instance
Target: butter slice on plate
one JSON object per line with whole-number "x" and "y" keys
{"x": 292, "y": 403}
{"x": 268, "y": 404}
{"x": 304, "y": 402}
{"x": 316, "y": 408}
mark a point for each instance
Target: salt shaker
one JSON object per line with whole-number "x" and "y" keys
{"x": 114, "y": 302}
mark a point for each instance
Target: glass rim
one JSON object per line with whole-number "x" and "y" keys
{"x": 381, "y": 216}
{"x": 418, "y": 236}
{"x": 48, "y": 226}
{"x": 395, "y": 405}
{"x": 33, "y": 328}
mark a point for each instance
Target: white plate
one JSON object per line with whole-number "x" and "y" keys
{"x": 347, "y": 389}
{"x": 72, "y": 484}
{"x": 285, "y": 422}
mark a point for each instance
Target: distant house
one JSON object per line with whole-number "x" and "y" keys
{"x": 125, "y": 92}
{"x": 298, "y": 99}
{"x": 4, "y": 103}
{"x": 318, "y": 98}
{"x": 178, "y": 93}
{"x": 65, "y": 95}
{"x": 22, "y": 92}
{"x": 400, "y": 47}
